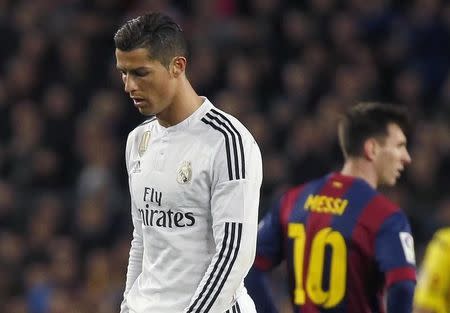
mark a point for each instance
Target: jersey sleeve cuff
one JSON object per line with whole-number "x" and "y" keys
{"x": 399, "y": 274}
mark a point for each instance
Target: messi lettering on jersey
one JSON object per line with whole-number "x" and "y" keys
{"x": 325, "y": 204}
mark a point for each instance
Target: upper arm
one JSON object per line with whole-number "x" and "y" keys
{"x": 235, "y": 192}
{"x": 399, "y": 297}
{"x": 136, "y": 218}
{"x": 236, "y": 181}
{"x": 394, "y": 249}
{"x": 433, "y": 286}
{"x": 269, "y": 252}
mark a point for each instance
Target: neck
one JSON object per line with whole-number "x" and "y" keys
{"x": 360, "y": 168}
{"x": 185, "y": 102}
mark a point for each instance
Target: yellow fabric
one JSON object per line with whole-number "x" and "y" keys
{"x": 433, "y": 286}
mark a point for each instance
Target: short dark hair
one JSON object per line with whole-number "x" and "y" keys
{"x": 369, "y": 119}
{"x": 158, "y": 33}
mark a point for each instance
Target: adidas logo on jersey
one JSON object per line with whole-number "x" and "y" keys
{"x": 137, "y": 167}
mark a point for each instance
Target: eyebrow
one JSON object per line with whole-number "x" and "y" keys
{"x": 133, "y": 69}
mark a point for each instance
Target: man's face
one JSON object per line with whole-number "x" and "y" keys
{"x": 392, "y": 156}
{"x": 147, "y": 81}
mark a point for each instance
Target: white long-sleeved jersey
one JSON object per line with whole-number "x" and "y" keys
{"x": 194, "y": 203}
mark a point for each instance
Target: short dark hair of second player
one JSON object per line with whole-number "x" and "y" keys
{"x": 369, "y": 119}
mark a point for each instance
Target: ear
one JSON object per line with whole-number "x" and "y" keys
{"x": 178, "y": 66}
{"x": 370, "y": 149}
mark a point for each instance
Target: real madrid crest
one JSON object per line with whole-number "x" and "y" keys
{"x": 143, "y": 145}
{"x": 184, "y": 173}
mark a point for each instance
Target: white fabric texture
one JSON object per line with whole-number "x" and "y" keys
{"x": 195, "y": 191}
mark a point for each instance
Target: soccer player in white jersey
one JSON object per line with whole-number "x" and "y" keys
{"x": 194, "y": 175}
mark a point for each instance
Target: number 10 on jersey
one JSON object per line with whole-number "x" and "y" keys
{"x": 326, "y": 237}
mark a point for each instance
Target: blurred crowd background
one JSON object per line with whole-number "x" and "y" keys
{"x": 285, "y": 68}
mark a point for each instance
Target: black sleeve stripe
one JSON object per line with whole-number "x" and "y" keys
{"x": 239, "y": 138}
{"x": 222, "y": 124}
{"x": 238, "y": 308}
{"x": 220, "y": 274}
{"x": 236, "y": 250}
{"x": 234, "y": 308}
{"x": 227, "y": 145}
{"x": 216, "y": 265}
{"x": 220, "y": 278}
{"x": 233, "y": 139}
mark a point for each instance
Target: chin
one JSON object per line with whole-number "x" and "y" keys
{"x": 146, "y": 112}
{"x": 391, "y": 182}
{"x": 387, "y": 182}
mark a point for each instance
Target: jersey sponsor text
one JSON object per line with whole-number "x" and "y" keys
{"x": 166, "y": 219}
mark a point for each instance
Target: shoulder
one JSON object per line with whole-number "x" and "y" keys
{"x": 291, "y": 195}
{"x": 382, "y": 216}
{"x": 442, "y": 237}
{"x": 148, "y": 123}
{"x": 390, "y": 212}
{"x": 303, "y": 191}
{"x": 137, "y": 135}
{"x": 141, "y": 128}
{"x": 293, "y": 191}
{"x": 385, "y": 205}
{"x": 225, "y": 127}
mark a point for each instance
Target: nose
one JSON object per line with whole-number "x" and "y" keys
{"x": 407, "y": 158}
{"x": 129, "y": 84}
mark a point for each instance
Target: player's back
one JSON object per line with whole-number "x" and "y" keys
{"x": 344, "y": 243}
{"x": 433, "y": 287}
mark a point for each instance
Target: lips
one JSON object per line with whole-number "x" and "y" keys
{"x": 138, "y": 101}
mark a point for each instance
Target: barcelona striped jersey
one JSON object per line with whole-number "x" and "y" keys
{"x": 344, "y": 243}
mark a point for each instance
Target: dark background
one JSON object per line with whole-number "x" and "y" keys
{"x": 286, "y": 69}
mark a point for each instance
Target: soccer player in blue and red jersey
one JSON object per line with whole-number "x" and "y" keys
{"x": 347, "y": 247}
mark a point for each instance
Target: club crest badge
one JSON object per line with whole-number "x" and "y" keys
{"x": 184, "y": 173}
{"x": 143, "y": 145}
